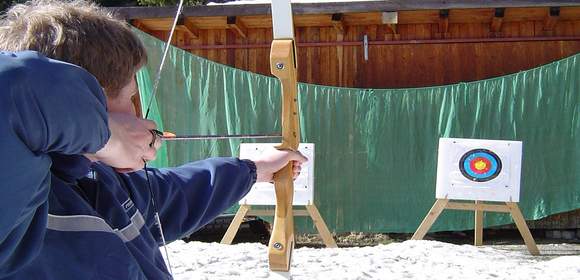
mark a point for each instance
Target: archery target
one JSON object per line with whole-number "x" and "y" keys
{"x": 264, "y": 193}
{"x": 480, "y": 165}
{"x": 478, "y": 169}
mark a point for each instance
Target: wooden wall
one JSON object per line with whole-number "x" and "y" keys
{"x": 401, "y": 65}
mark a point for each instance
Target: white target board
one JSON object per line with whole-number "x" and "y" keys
{"x": 479, "y": 169}
{"x": 264, "y": 194}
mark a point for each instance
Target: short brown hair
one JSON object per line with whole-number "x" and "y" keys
{"x": 78, "y": 32}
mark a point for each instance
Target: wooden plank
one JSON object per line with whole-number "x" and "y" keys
{"x": 231, "y": 53}
{"x": 331, "y": 8}
{"x": 496, "y": 22}
{"x": 203, "y": 22}
{"x": 270, "y": 212}
{"x": 551, "y": 20}
{"x": 403, "y": 17}
{"x": 321, "y": 226}
{"x": 241, "y": 55}
{"x": 363, "y": 18}
{"x": 479, "y": 207}
{"x": 187, "y": 26}
{"x": 221, "y": 39}
{"x": 569, "y": 13}
{"x": 235, "y": 225}
{"x": 525, "y": 14}
{"x": 263, "y": 54}
{"x": 313, "y": 20}
{"x": 478, "y": 228}
{"x": 430, "y": 219}
{"x": 443, "y": 24}
{"x": 311, "y": 56}
{"x": 424, "y": 16}
{"x": 326, "y": 68}
{"x": 238, "y": 26}
{"x": 258, "y": 21}
{"x": 337, "y": 22}
{"x": 523, "y": 228}
{"x": 211, "y": 40}
{"x": 156, "y": 24}
{"x": 471, "y": 15}
{"x": 139, "y": 24}
{"x": 340, "y": 60}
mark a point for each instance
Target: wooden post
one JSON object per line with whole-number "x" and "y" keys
{"x": 321, "y": 226}
{"x": 235, "y": 225}
{"x": 523, "y": 228}
{"x": 478, "y": 236}
{"x": 430, "y": 219}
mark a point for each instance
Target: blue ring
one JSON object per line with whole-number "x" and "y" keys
{"x": 467, "y": 158}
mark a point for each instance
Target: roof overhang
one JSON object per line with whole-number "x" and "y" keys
{"x": 332, "y": 8}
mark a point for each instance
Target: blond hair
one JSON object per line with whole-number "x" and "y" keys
{"x": 78, "y": 32}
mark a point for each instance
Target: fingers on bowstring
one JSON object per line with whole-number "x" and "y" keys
{"x": 150, "y": 153}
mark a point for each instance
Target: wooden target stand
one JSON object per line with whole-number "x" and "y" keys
{"x": 479, "y": 207}
{"x": 311, "y": 210}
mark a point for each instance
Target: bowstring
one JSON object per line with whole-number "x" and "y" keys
{"x": 155, "y": 87}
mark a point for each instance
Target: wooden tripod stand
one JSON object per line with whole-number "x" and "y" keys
{"x": 311, "y": 210}
{"x": 479, "y": 208}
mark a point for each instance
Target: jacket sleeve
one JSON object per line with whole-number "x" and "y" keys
{"x": 45, "y": 106}
{"x": 190, "y": 196}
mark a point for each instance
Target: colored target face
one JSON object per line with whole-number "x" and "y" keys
{"x": 480, "y": 165}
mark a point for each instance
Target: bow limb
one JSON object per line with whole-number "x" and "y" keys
{"x": 283, "y": 66}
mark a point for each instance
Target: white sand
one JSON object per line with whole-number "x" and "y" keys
{"x": 406, "y": 260}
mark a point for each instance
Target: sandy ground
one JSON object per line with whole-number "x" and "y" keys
{"x": 397, "y": 260}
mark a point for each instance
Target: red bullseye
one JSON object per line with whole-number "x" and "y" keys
{"x": 480, "y": 165}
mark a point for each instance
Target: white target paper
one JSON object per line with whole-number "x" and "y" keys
{"x": 466, "y": 170}
{"x": 264, "y": 194}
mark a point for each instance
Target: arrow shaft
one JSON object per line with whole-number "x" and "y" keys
{"x": 218, "y": 137}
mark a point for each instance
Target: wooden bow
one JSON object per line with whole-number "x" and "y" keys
{"x": 283, "y": 66}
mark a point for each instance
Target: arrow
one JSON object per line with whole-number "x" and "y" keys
{"x": 168, "y": 136}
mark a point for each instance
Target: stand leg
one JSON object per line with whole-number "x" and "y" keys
{"x": 523, "y": 228}
{"x": 321, "y": 226}
{"x": 478, "y": 240}
{"x": 235, "y": 225}
{"x": 430, "y": 219}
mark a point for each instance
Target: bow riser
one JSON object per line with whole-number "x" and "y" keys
{"x": 283, "y": 66}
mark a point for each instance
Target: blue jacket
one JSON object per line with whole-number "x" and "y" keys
{"x": 63, "y": 217}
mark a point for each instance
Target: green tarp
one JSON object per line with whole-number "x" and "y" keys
{"x": 376, "y": 149}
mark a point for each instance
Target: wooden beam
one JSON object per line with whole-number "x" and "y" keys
{"x": 338, "y": 23}
{"x": 478, "y": 207}
{"x": 443, "y": 23}
{"x": 236, "y": 24}
{"x": 428, "y": 221}
{"x": 187, "y": 26}
{"x": 478, "y": 228}
{"x": 523, "y": 228}
{"x": 332, "y": 8}
{"x": 497, "y": 21}
{"x": 270, "y": 212}
{"x": 551, "y": 20}
{"x": 139, "y": 24}
{"x": 325, "y": 234}
{"x": 235, "y": 224}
